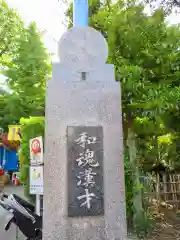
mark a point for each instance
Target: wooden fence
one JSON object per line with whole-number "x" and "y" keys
{"x": 168, "y": 189}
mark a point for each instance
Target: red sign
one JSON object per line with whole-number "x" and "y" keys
{"x": 35, "y": 146}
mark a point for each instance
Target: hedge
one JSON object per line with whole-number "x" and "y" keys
{"x": 30, "y": 128}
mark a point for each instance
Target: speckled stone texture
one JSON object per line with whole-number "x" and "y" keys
{"x": 72, "y": 101}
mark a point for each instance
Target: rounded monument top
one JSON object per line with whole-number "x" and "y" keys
{"x": 81, "y": 45}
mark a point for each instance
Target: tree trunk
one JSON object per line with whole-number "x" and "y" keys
{"x": 137, "y": 193}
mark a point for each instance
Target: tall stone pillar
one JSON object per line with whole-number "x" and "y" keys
{"x": 84, "y": 195}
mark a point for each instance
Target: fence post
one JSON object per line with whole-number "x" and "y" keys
{"x": 158, "y": 188}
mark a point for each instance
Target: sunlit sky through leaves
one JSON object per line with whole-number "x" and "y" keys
{"x": 49, "y": 16}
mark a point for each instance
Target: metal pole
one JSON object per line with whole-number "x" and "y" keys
{"x": 38, "y": 207}
{"x": 80, "y": 13}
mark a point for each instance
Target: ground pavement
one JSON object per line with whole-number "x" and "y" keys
{"x": 12, "y": 233}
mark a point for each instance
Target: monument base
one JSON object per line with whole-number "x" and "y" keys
{"x": 83, "y": 92}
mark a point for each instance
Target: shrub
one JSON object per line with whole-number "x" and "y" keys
{"x": 31, "y": 127}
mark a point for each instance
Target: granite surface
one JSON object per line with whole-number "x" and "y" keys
{"x": 83, "y": 92}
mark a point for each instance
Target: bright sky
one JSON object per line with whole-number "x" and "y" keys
{"x": 48, "y": 14}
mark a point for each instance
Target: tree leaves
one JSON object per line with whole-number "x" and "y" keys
{"x": 145, "y": 52}
{"x": 26, "y": 66}
{"x": 10, "y": 30}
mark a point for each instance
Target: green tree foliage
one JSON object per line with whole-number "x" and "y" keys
{"x": 24, "y": 62}
{"x": 31, "y": 127}
{"x": 10, "y": 28}
{"x": 3, "y": 98}
{"x": 145, "y": 52}
{"x": 28, "y": 72}
{"x": 26, "y": 66}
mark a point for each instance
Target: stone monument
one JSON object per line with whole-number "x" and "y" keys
{"x": 84, "y": 194}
